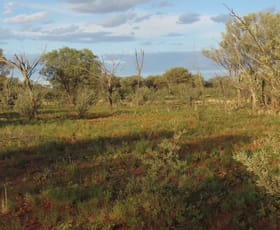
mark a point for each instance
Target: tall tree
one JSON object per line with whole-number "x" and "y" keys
{"x": 70, "y": 70}
{"x": 176, "y": 75}
{"x": 3, "y": 73}
{"x": 250, "y": 49}
{"x": 4, "y": 68}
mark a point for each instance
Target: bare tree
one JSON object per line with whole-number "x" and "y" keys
{"x": 108, "y": 73}
{"x": 139, "y": 62}
{"x": 27, "y": 69}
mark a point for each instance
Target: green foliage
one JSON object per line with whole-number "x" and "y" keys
{"x": 144, "y": 95}
{"x": 4, "y": 69}
{"x": 24, "y": 103}
{"x": 265, "y": 164}
{"x": 249, "y": 50}
{"x": 69, "y": 69}
{"x": 85, "y": 99}
{"x": 177, "y": 75}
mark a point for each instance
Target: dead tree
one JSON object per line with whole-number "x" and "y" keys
{"x": 27, "y": 69}
{"x": 139, "y": 62}
{"x": 107, "y": 79}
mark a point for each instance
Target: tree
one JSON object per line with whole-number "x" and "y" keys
{"x": 3, "y": 73}
{"x": 128, "y": 87}
{"x": 250, "y": 51}
{"x": 4, "y": 68}
{"x": 151, "y": 82}
{"x": 139, "y": 62}
{"x": 108, "y": 79}
{"x": 27, "y": 69}
{"x": 176, "y": 75}
{"x": 70, "y": 70}
{"x": 10, "y": 90}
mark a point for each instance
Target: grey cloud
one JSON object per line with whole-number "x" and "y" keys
{"x": 188, "y": 18}
{"x": 147, "y": 43}
{"x": 177, "y": 43}
{"x": 65, "y": 30}
{"x": 30, "y": 28}
{"x": 142, "y": 18}
{"x": 222, "y": 18}
{"x": 120, "y": 19}
{"x": 6, "y": 34}
{"x": 173, "y": 35}
{"x": 116, "y": 20}
{"x": 100, "y": 6}
{"x": 67, "y": 34}
{"x": 86, "y": 37}
{"x": 23, "y": 18}
{"x": 164, "y": 3}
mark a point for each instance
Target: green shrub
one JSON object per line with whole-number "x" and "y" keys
{"x": 84, "y": 100}
{"x": 265, "y": 164}
{"x": 144, "y": 95}
{"x": 24, "y": 105}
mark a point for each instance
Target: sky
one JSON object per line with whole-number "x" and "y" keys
{"x": 171, "y": 32}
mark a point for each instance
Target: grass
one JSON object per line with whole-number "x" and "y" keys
{"x": 159, "y": 168}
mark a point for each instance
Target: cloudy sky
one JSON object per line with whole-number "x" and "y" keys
{"x": 115, "y": 28}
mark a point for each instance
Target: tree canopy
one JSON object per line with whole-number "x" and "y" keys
{"x": 68, "y": 69}
{"x": 250, "y": 51}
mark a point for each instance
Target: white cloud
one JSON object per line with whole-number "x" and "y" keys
{"x": 8, "y": 8}
{"x": 22, "y": 18}
{"x": 101, "y": 6}
{"x": 78, "y": 35}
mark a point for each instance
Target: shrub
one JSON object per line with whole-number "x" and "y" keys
{"x": 265, "y": 164}
{"x": 24, "y": 105}
{"x": 83, "y": 102}
{"x": 144, "y": 95}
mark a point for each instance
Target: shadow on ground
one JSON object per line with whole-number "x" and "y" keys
{"x": 15, "y": 119}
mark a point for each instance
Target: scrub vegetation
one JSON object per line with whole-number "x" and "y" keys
{"x": 91, "y": 150}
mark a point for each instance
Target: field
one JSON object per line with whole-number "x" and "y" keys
{"x": 150, "y": 167}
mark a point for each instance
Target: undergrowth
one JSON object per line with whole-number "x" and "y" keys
{"x": 158, "y": 168}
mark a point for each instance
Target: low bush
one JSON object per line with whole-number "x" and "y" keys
{"x": 24, "y": 104}
{"x": 265, "y": 164}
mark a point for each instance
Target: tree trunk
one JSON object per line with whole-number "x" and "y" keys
{"x": 253, "y": 101}
{"x": 110, "y": 97}
{"x": 111, "y": 102}
{"x": 263, "y": 97}
{"x": 238, "y": 97}
{"x": 32, "y": 98}
{"x": 274, "y": 103}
